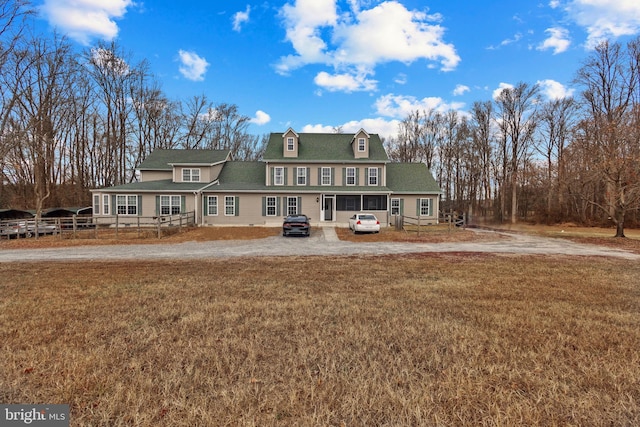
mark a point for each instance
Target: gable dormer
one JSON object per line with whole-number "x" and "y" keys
{"x": 290, "y": 143}
{"x": 360, "y": 145}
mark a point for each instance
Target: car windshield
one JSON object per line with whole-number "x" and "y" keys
{"x": 370, "y": 217}
{"x": 296, "y": 219}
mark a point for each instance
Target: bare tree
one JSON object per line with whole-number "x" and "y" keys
{"x": 42, "y": 113}
{"x": 609, "y": 79}
{"x": 556, "y": 123}
{"x": 517, "y": 108}
{"x": 482, "y": 137}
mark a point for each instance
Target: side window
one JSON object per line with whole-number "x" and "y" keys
{"x": 373, "y": 176}
{"x": 105, "y": 204}
{"x": 395, "y": 206}
{"x": 351, "y": 176}
{"x": 96, "y": 204}
{"x": 212, "y": 205}
{"x": 425, "y": 207}
{"x": 229, "y": 205}
{"x": 326, "y": 176}
{"x": 302, "y": 176}
{"x": 278, "y": 175}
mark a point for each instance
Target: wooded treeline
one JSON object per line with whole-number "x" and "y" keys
{"x": 71, "y": 121}
{"x": 520, "y": 156}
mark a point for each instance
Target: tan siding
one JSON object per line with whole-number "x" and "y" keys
{"x": 146, "y": 176}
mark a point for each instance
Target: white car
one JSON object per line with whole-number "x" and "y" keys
{"x": 364, "y": 223}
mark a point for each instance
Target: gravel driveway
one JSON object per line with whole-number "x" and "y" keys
{"x": 323, "y": 241}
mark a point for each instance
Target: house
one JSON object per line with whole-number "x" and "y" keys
{"x": 328, "y": 177}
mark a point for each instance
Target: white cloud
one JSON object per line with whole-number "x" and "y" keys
{"x": 460, "y": 90}
{"x": 605, "y": 19}
{"x": 501, "y": 87}
{"x": 554, "y": 90}
{"x": 554, "y": 4}
{"x": 344, "y": 82}
{"x": 384, "y": 127}
{"x": 399, "y": 106}
{"x": 558, "y": 40}
{"x": 356, "y": 41}
{"x": 193, "y": 67}
{"x": 261, "y": 118}
{"x": 83, "y": 20}
{"x": 240, "y": 18}
{"x": 401, "y": 79}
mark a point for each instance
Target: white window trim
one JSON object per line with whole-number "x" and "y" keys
{"x": 323, "y": 176}
{"x": 274, "y": 205}
{"x": 301, "y": 173}
{"x": 105, "y": 204}
{"x": 209, "y": 206}
{"x": 190, "y": 174}
{"x": 126, "y": 204}
{"x": 171, "y": 204}
{"x": 347, "y": 177}
{"x": 291, "y": 143}
{"x": 230, "y": 205}
{"x": 428, "y": 200}
{"x": 373, "y": 174}
{"x": 278, "y": 179}
{"x": 293, "y": 205}
{"x": 396, "y": 207}
{"x": 96, "y": 204}
{"x": 362, "y": 144}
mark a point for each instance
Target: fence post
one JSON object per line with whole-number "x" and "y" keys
{"x": 117, "y": 224}
{"x": 159, "y": 223}
{"x": 138, "y": 218}
{"x": 418, "y": 225}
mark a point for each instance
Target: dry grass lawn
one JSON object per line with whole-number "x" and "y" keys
{"x": 455, "y": 340}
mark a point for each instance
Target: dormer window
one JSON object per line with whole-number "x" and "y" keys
{"x": 290, "y": 144}
{"x": 190, "y": 175}
{"x": 362, "y": 145}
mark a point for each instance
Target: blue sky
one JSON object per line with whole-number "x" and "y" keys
{"x": 317, "y": 64}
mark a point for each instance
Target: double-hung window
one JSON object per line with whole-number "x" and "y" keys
{"x": 105, "y": 204}
{"x": 126, "y": 205}
{"x": 229, "y": 205}
{"x": 96, "y": 204}
{"x": 373, "y": 176}
{"x": 212, "y": 205}
{"x": 302, "y": 176}
{"x": 169, "y": 205}
{"x": 425, "y": 207}
{"x": 326, "y": 176}
{"x": 395, "y": 206}
{"x": 292, "y": 205}
{"x": 290, "y": 145}
{"x": 190, "y": 175}
{"x": 278, "y": 175}
{"x": 351, "y": 176}
{"x": 361, "y": 144}
{"x": 271, "y": 205}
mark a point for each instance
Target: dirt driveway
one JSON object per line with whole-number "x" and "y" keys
{"x": 323, "y": 241}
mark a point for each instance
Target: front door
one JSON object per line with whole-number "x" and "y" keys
{"x": 328, "y": 208}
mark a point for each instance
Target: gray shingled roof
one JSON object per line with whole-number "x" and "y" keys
{"x": 324, "y": 147}
{"x": 411, "y": 178}
{"x": 163, "y": 159}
